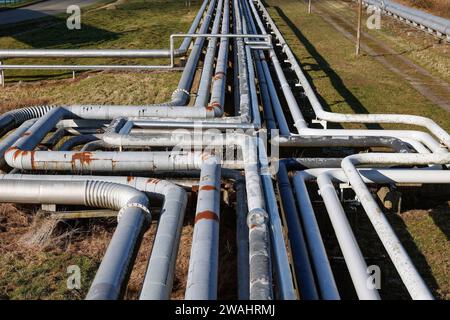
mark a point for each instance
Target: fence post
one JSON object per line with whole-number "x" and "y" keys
{"x": 358, "y": 35}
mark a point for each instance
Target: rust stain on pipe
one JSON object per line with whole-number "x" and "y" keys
{"x": 83, "y": 157}
{"x": 208, "y": 188}
{"x": 208, "y": 215}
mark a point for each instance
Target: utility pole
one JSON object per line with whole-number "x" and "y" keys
{"x": 309, "y": 6}
{"x": 358, "y": 35}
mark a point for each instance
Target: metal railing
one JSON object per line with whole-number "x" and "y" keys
{"x": 265, "y": 44}
{"x": 425, "y": 21}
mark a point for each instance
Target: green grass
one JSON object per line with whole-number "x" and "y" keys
{"x": 136, "y": 24}
{"x": 43, "y": 277}
{"x": 347, "y": 83}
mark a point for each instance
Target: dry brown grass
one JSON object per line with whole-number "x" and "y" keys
{"x": 437, "y": 7}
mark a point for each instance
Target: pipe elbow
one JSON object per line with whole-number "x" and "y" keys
{"x": 14, "y": 158}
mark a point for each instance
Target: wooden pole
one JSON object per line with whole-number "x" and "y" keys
{"x": 358, "y": 35}
{"x": 309, "y": 6}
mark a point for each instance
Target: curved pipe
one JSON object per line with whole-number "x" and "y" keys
{"x": 132, "y": 205}
{"x": 413, "y": 281}
{"x": 158, "y": 280}
{"x": 443, "y": 136}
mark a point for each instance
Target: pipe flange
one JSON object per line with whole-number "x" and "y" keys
{"x": 180, "y": 90}
{"x": 145, "y": 211}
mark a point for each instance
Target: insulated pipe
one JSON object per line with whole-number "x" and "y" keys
{"x": 219, "y": 84}
{"x": 134, "y": 216}
{"x": 208, "y": 62}
{"x": 12, "y": 138}
{"x": 417, "y": 17}
{"x": 443, "y": 136}
{"x": 211, "y": 140}
{"x": 302, "y": 264}
{"x": 159, "y": 277}
{"x": 108, "y": 53}
{"x": 346, "y": 238}
{"x": 260, "y": 264}
{"x": 204, "y": 258}
{"x": 281, "y": 262}
{"x": 349, "y": 246}
{"x": 324, "y": 275}
{"x": 293, "y": 106}
{"x": 413, "y": 281}
{"x": 243, "y": 105}
{"x": 254, "y": 105}
{"x": 345, "y": 141}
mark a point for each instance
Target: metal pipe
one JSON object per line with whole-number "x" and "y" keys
{"x": 349, "y": 246}
{"x": 208, "y": 62}
{"x": 325, "y": 278}
{"x": 108, "y": 53}
{"x": 133, "y": 212}
{"x": 302, "y": 264}
{"x": 413, "y": 281}
{"x": 204, "y": 260}
{"x": 158, "y": 280}
{"x": 443, "y": 136}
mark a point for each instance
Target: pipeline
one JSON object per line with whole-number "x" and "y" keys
{"x": 424, "y": 20}
{"x": 49, "y": 154}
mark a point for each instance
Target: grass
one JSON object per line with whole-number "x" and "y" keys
{"x": 134, "y": 24}
{"x": 426, "y": 51}
{"x": 43, "y": 277}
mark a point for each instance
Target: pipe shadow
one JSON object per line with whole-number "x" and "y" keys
{"x": 414, "y": 252}
{"x": 440, "y": 217}
{"x": 322, "y": 64}
{"x": 51, "y": 31}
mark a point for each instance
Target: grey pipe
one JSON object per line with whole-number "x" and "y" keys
{"x": 159, "y": 277}
{"x": 132, "y": 205}
{"x": 107, "y": 53}
{"x": 204, "y": 259}
{"x": 413, "y": 281}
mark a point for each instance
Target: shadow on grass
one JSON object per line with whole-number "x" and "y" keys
{"x": 416, "y": 255}
{"x": 322, "y": 64}
{"x": 51, "y": 31}
{"x": 440, "y": 218}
